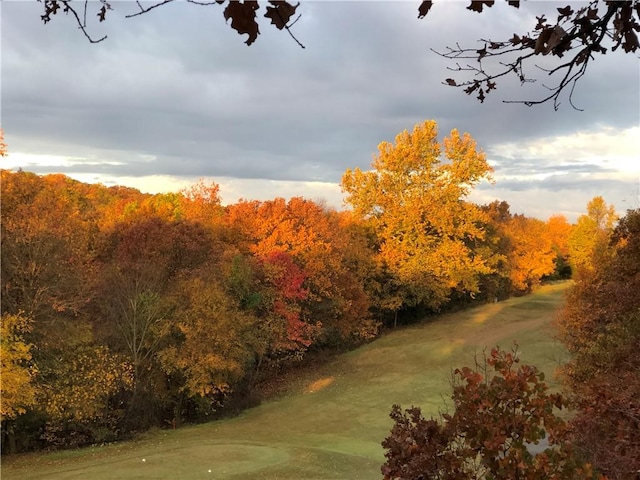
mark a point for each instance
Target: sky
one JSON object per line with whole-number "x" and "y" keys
{"x": 175, "y": 95}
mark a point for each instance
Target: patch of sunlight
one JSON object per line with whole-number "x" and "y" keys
{"x": 488, "y": 311}
{"x": 319, "y": 384}
{"x": 447, "y": 350}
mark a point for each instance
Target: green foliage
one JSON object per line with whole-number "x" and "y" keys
{"x": 496, "y": 420}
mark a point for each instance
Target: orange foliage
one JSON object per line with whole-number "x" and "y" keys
{"x": 3, "y": 146}
{"x": 416, "y": 204}
{"x": 559, "y": 229}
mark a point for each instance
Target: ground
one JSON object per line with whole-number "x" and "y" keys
{"x": 330, "y": 422}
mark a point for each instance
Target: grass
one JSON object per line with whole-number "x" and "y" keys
{"x": 330, "y": 422}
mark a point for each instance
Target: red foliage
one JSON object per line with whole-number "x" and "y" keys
{"x": 488, "y": 435}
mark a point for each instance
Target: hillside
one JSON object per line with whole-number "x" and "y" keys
{"x": 330, "y": 422}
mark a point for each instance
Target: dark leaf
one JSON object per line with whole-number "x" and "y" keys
{"x": 102, "y": 12}
{"x": 424, "y": 8}
{"x": 477, "y": 5}
{"x": 630, "y": 41}
{"x": 482, "y": 53}
{"x": 565, "y": 12}
{"x": 280, "y": 13}
{"x": 542, "y": 22}
{"x": 514, "y": 3}
{"x": 471, "y": 88}
{"x": 451, "y": 81}
{"x": 541, "y": 41}
{"x": 515, "y": 39}
{"x": 243, "y": 18}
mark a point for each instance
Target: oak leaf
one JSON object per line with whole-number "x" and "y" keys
{"x": 424, "y": 8}
{"x": 478, "y": 5}
{"x": 243, "y": 18}
{"x": 280, "y": 13}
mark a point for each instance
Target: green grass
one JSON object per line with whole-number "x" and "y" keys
{"x": 330, "y": 422}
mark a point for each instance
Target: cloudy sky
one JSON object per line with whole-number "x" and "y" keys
{"x": 175, "y": 95}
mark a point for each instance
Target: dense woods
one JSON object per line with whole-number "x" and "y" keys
{"x": 123, "y": 310}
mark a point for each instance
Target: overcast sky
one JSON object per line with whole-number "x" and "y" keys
{"x": 175, "y": 95}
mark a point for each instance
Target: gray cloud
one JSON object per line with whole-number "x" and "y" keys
{"x": 176, "y": 92}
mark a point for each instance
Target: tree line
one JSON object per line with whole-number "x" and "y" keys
{"x": 123, "y": 310}
{"x": 502, "y": 408}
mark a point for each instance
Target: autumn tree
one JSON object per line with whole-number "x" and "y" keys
{"x": 526, "y": 249}
{"x": 44, "y": 247}
{"x": 77, "y": 393}
{"x": 559, "y": 230}
{"x": 17, "y": 388}
{"x": 210, "y": 343}
{"x": 500, "y": 409}
{"x": 201, "y": 203}
{"x": 588, "y": 241}
{"x": 416, "y": 202}
{"x": 317, "y": 242}
{"x": 600, "y": 326}
{"x": 569, "y": 42}
{"x": 3, "y": 146}
{"x": 46, "y": 273}
{"x": 531, "y": 255}
{"x": 138, "y": 261}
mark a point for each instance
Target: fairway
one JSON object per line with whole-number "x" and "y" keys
{"x": 331, "y": 422}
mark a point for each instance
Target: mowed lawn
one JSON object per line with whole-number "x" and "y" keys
{"x": 330, "y": 423}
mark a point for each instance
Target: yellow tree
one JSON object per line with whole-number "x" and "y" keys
{"x": 212, "y": 342}
{"x": 559, "y": 229}
{"x": 531, "y": 255}
{"x": 17, "y": 388}
{"x": 415, "y": 198}
{"x": 590, "y": 235}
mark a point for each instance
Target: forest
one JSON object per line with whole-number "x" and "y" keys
{"x": 122, "y": 310}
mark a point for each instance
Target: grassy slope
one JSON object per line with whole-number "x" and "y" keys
{"x": 332, "y": 421}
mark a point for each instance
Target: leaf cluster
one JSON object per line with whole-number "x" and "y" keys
{"x": 240, "y": 13}
{"x": 501, "y": 409}
{"x": 572, "y": 39}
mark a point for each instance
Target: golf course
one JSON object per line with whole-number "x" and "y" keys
{"x": 329, "y": 422}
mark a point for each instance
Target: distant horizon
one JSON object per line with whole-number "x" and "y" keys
{"x": 153, "y": 185}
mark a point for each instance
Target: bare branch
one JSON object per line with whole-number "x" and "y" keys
{"x": 288, "y": 28}
{"x": 205, "y": 3}
{"x": 81, "y": 25}
{"x": 144, "y": 10}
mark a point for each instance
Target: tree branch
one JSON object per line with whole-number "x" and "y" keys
{"x": 147, "y": 9}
